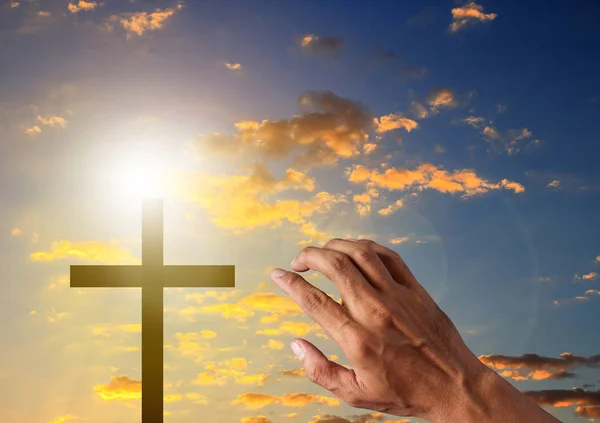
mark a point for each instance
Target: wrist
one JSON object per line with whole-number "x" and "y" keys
{"x": 486, "y": 397}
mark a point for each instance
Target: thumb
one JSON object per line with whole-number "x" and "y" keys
{"x": 322, "y": 371}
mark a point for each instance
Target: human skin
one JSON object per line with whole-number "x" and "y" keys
{"x": 407, "y": 357}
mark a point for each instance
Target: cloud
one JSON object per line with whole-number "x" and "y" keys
{"x": 233, "y": 66}
{"x": 394, "y": 121}
{"x": 438, "y": 149}
{"x": 441, "y": 98}
{"x": 589, "y": 276}
{"x": 533, "y": 366}
{"x": 587, "y": 402}
{"x": 272, "y": 303}
{"x": 468, "y": 14}
{"x": 357, "y": 418}
{"x": 219, "y": 374}
{"x": 120, "y": 388}
{"x": 53, "y": 121}
{"x": 414, "y": 239}
{"x": 329, "y": 128}
{"x": 429, "y": 176}
{"x": 587, "y": 295}
{"x": 391, "y": 208}
{"x": 289, "y": 327}
{"x": 35, "y": 129}
{"x": 511, "y": 142}
{"x": 418, "y": 110}
{"x": 256, "y": 400}
{"x": 109, "y": 252}
{"x": 275, "y": 344}
{"x": 301, "y": 372}
{"x": 65, "y": 418}
{"x": 320, "y": 45}
{"x": 474, "y": 121}
{"x": 239, "y": 202}
{"x": 81, "y": 5}
{"x": 257, "y": 419}
{"x": 139, "y": 23}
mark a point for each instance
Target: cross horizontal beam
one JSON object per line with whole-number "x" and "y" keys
{"x": 169, "y": 276}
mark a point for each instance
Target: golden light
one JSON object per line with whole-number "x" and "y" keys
{"x": 136, "y": 170}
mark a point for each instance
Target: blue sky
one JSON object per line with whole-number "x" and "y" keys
{"x": 477, "y": 134}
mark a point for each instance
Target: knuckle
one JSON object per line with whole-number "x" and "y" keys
{"x": 382, "y": 315}
{"x": 359, "y": 344}
{"x": 291, "y": 278}
{"x": 339, "y": 262}
{"x": 368, "y": 242}
{"x": 315, "y": 374}
{"x": 331, "y": 241}
{"x": 309, "y": 249}
{"x": 314, "y": 300}
{"x": 365, "y": 254}
{"x": 346, "y": 327}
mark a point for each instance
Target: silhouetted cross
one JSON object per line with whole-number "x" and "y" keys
{"x": 152, "y": 276}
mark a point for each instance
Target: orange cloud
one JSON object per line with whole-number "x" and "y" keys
{"x": 332, "y": 127}
{"x": 429, "y": 176}
{"x": 120, "y": 388}
{"x": 441, "y": 97}
{"x": 141, "y": 22}
{"x": 474, "y": 121}
{"x": 272, "y": 303}
{"x": 86, "y": 251}
{"x": 589, "y": 276}
{"x": 293, "y": 328}
{"x": 84, "y": 5}
{"x": 394, "y": 121}
{"x": 588, "y": 402}
{"x": 467, "y": 14}
{"x": 65, "y": 418}
{"x": 321, "y": 45}
{"x": 275, "y": 344}
{"x": 391, "y": 208}
{"x": 255, "y": 400}
{"x": 239, "y": 202}
{"x": 233, "y": 66}
{"x": 33, "y": 130}
{"x": 536, "y": 367}
{"x": 418, "y": 110}
{"x": 53, "y": 121}
{"x": 257, "y": 419}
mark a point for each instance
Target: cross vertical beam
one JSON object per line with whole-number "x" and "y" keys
{"x": 152, "y": 312}
{"x": 152, "y": 276}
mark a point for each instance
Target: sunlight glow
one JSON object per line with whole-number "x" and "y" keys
{"x": 140, "y": 170}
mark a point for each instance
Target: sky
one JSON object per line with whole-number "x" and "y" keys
{"x": 461, "y": 135}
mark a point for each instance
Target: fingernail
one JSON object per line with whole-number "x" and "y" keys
{"x": 298, "y": 350}
{"x": 352, "y": 239}
{"x": 277, "y": 272}
{"x": 292, "y": 262}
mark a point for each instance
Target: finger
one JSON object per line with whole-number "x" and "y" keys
{"x": 326, "y": 373}
{"x": 330, "y": 315}
{"x": 396, "y": 266}
{"x": 365, "y": 259}
{"x": 339, "y": 269}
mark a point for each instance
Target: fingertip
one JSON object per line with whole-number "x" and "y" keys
{"x": 298, "y": 348}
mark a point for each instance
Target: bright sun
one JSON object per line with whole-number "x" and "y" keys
{"x": 138, "y": 171}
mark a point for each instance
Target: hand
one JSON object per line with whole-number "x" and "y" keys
{"x": 407, "y": 357}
